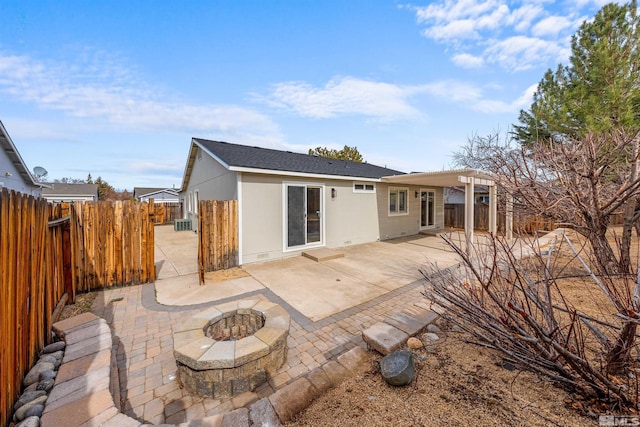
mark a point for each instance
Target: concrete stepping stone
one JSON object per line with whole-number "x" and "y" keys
{"x": 405, "y": 323}
{"x": 384, "y": 338}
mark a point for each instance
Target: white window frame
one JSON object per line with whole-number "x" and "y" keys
{"x": 364, "y": 187}
{"x": 398, "y": 190}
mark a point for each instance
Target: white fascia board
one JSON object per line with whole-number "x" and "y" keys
{"x": 301, "y": 174}
{"x": 216, "y": 158}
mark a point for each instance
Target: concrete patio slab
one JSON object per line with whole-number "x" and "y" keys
{"x": 315, "y": 290}
{"x": 186, "y": 289}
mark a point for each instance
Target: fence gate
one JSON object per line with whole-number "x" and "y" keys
{"x": 217, "y": 235}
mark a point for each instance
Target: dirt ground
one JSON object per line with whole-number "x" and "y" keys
{"x": 457, "y": 384}
{"x": 463, "y": 383}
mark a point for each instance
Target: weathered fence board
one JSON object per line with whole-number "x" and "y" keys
{"x": 31, "y": 283}
{"x": 48, "y": 250}
{"x": 454, "y": 218}
{"x": 166, "y": 213}
{"x": 217, "y": 235}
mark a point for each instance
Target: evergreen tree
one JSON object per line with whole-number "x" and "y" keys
{"x": 347, "y": 153}
{"x": 599, "y": 91}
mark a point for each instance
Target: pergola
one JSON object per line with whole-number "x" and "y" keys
{"x": 451, "y": 178}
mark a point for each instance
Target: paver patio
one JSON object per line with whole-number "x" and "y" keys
{"x": 142, "y": 328}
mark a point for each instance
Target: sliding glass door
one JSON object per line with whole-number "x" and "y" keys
{"x": 303, "y": 211}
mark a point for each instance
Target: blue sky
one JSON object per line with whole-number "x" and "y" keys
{"x": 118, "y": 88}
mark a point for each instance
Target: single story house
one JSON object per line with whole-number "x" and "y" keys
{"x": 159, "y": 195}
{"x": 63, "y": 192}
{"x": 14, "y": 173}
{"x": 290, "y": 202}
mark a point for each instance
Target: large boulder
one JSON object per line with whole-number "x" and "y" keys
{"x": 397, "y": 368}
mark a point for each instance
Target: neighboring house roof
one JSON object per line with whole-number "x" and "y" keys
{"x": 145, "y": 191}
{"x": 7, "y": 145}
{"x": 244, "y": 158}
{"x": 59, "y": 189}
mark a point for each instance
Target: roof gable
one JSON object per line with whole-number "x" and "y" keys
{"x": 7, "y": 145}
{"x": 244, "y": 156}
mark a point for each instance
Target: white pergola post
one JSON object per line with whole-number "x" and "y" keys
{"x": 493, "y": 210}
{"x": 469, "y": 203}
{"x": 508, "y": 223}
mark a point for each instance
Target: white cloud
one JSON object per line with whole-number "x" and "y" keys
{"x": 466, "y": 60}
{"x": 507, "y": 33}
{"x": 384, "y": 101}
{"x": 100, "y": 88}
{"x": 521, "y": 53}
{"x": 551, "y": 26}
{"x": 345, "y": 96}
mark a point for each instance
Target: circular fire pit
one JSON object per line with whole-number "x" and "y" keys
{"x": 230, "y": 348}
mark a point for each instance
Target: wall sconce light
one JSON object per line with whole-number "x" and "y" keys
{"x": 333, "y": 193}
{"x": 417, "y": 194}
{"x": 7, "y": 174}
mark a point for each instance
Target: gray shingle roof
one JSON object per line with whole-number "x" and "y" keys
{"x": 266, "y": 158}
{"x": 58, "y": 188}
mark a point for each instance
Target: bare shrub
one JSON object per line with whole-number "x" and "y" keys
{"x": 510, "y": 297}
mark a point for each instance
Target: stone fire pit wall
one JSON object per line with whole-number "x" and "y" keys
{"x": 218, "y": 369}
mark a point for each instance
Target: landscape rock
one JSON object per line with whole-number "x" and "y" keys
{"x": 48, "y": 358}
{"x": 414, "y": 343}
{"x": 20, "y": 414}
{"x": 34, "y": 411}
{"x": 49, "y": 374}
{"x": 430, "y": 336}
{"x": 397, "y": 368}
{"x": 46, "y": 384}
{"x": 58, "y": 354}
{"x": 53, "y": 347}
{"x": 434, "y": 328}
{"x": 34, "y": 374}
{"x": 27, "y": 397}
{"x": 32, "y": 387}
{"x": 29, "y": 422}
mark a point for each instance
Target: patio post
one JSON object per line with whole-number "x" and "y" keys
{"x": 493, "y": 210}
{"x": 469, "y": 210}
{"x": 508, "y": 226}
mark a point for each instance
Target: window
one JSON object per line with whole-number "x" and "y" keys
{"x": 398, "y": 200}
{"x": 482, "y": 199}
{"x": 195, "y": 202}
{"x": 360, "y": 187}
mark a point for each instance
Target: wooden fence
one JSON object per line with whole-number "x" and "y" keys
{"x": 113, "y": 244}
{"x": 166, "y": 213}
{"x": 454, "y": 218}
{"x": 50, "y": 252}
{"x": 217, "y": 235}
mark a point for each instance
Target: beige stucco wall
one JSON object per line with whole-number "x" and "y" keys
{"x": 212, "y": 181}
{"x": 350, "y": 218}
{"x": 398, "y": 225}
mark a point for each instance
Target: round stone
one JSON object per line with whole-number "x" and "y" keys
{"x": 46, "y": 384}
{"x": 53, "y": 347}
{"x": 34, "y": 411}
{"x": 29, "y": 422}
{"x": 434, "y": 328}
{"x": 27, "y": 397}
{"x": 21, "y": 413}
{"x": 34, "y": 374}
{"x": 397, "y": 368}
{"x": 431, "y": 336}
{"x": 49, "y": 374}
{"x": 414, "y": 343}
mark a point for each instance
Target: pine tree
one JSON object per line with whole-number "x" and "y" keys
{"x": 599, "y": 91}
